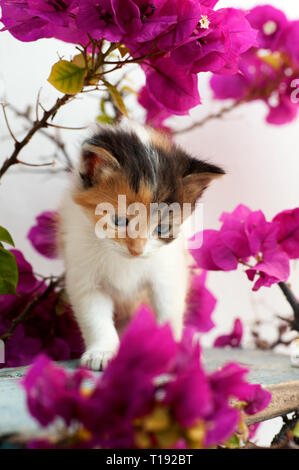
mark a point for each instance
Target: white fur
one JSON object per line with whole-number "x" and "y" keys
{"x": 101, "y": 274}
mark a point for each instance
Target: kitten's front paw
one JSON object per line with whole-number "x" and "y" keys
{"x": 96, "y": 359}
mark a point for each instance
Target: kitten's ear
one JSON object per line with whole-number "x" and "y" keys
{"x": 199, "y": 176}
{"x": 95, "y": 161}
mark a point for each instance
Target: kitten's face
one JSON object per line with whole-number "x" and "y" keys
{"x": 135, "y": 187}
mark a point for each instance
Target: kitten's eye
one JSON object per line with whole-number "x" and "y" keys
{"x": 119, "y": 221}
{"x": 162, "y": 229}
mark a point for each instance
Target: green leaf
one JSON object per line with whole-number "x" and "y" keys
{"x": 233, "y": 442}
{"x": 117, "y": 99}
{"x": 8, "y": 272}
{"x": 105, "y": 119}
{"x": 67, "y": 77}
{"x": 79, "y": 60}
{"x": 296, "y": 430}
{"x": 129, "y": 90}
{"x": 5, "y": 236}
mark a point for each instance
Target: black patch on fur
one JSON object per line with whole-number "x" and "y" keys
{"x": 138, "y": 163}
{"x": 160, "y": 169}
{"x": 86, "y": 181}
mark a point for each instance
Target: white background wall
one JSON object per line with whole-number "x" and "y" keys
{"x": 262, "y": 164}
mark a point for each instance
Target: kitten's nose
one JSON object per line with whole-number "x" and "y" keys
{"x": 136, "y": 247}
{"x": 135, "y": 252}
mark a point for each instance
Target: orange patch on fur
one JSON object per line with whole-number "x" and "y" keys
{"x": 160, "y": 140}
{"x": 108, "y": 190}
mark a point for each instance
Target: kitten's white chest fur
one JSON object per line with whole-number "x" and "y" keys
{"x": 100, "y": 276}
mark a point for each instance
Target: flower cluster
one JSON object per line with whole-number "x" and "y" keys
{"x": 49, "y": 326}
{"x": 270, "y": 71}
{"x": 246, "y": 235}
{"x": 173, "y": 40}
{"x": 153, "y": 394}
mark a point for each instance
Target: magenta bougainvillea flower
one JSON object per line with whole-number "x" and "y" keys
{"x": 171, "y": 87}
{"x": 266, "y": 72}
{"x": 154, "y": 393}
{"x": 288, "y": 232}
{"x": 17, "y": 18}
{"x": 97, "y": 18}
{"x": 59, "y": 392}
{"x": 185, "y": 16}
{"x": 216, "y": 44}
{"x": 56, "y": 11}
{"x": 201, "y": 304}
{"x": 288, "y": 41}
{"x": 50, "y": 327}
{"x": 43, "y": 234}
{"x": 156, "y": 114}
{"x": 259, "y": 80}
{"x": 146, "y": 351}
{"x": 143, "y": 21}
{"x": 269, "y": 22}
{"x": 30, "y": 20}
{"x": 230, "y": 380}
{"x": 189, "y": 382}
{"x": 246, "y": 238}
{"x": 233, "y": 339}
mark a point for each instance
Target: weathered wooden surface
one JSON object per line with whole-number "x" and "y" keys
{"x": 273, "y": 371}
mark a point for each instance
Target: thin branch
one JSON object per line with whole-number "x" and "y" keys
{"x": 37, "y": 104}
{"x": 29, "y": 308}
{"x": 55, "y": 139}
{"x": 58, "y": 126}
{"x": 36, "y": 164}
{"x": 209, "y": 117}
{"x": 293, "y": 303}
{"x": 37, "y": 125}
{"x": 7, "y": 123}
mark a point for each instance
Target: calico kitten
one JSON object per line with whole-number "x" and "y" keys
{"x": 106, "y": 274}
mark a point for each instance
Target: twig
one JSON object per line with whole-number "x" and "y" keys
{"x": 37, "y": 125}
{"x": 36, "y": 164}
{"x": 37, "y": 104}
{"x": 209, "y": 117}
{"x": 29, "y": 307}
{"x": 55, "y": 139}
{"x": 293, "y": 303}
{"x": 58, "y": 126}
{"x": 7, "y": 123}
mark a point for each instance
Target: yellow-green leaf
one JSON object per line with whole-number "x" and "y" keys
{"x": 8, "y": 272}
{"x": 296, "y": 430}
{"x": 105, "y": 119}
{"x": 67, "y": 77}
{"x": 129, "y": 90}
{"x": 233, "y": 442}
{"x": 79, "y": 60}
{"x": 102, "y": 105}
{"x": 5, "y": 236}
{"x": 117, "y": 99}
